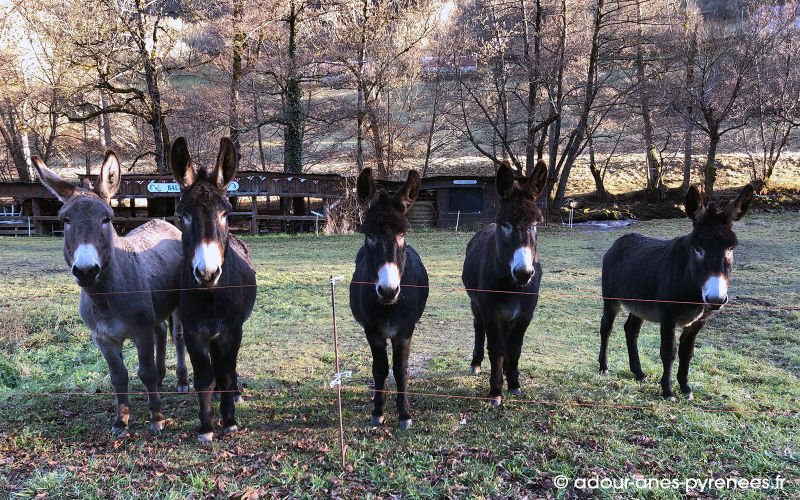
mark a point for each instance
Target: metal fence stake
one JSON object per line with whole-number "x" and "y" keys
{"x": 336, "y": 361}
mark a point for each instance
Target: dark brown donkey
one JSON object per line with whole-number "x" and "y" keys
{"x": 389, "y": 287}
{"x": 502, "y": 257}
{"x": 120, "y": 279}
{"x": 657, "y": 275}
{"x": 218, "y": 270}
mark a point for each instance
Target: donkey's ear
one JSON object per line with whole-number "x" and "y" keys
{"x": 504, "y": 180}
{"x": 695, "y": 208}
{"x": 538, "y": 180}
{"x": 408, "y": 192}
{"x": 108, "y": 181}
{"x": 181, "y": 163}
{"x": 365, "y": 187}
{"x": 738, "y": 207}
{"x": 60, "y": 187}
{"x": 227, "y": 163}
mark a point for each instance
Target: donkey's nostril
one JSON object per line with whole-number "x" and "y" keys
{"x": 523, "y": 274}
{"x": 206, "y": 276}
{"x": 86, "y": 275}
{"x": 387, "y": 292}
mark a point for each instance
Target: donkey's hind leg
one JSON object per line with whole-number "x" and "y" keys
{"x": 181, "y": 370}
{"x": 480, "y": 340}
{"x": 610, "y": 311}
{"x": 112, "y": 352}
{"x": 160, "y": 338}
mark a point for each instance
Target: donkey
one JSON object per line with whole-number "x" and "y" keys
{"x": 219, "y": 273}
{"x": 671, "y": 282}
{"x": 389, "y": 287}
{"x": 502, "y": 259}
{"x": 128, "y": 285}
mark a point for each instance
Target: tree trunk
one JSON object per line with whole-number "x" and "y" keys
{"x": 687, "y": 150}
{"x": 432, "y": 128}
{"x": 710, "y": 168}
{"x": 654, "y": 167}
{"x": 361, "y": 88}
{"x": 554, "y": 132}
{"x": 532, "y": 67}
{"x": 12, "y": 138}
{"x": 377, "y": 137}
{"x": 156, "y": 118}
{"x": 596, "y": 173}
{"x": 295, "y": 121}
{"x": 575, "y": 145}
{"x": 239, "y": 38}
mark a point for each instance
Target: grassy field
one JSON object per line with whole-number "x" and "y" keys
{"x": 747, "y": 361}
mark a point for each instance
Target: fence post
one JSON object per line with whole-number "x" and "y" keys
{"x": 338, "y": 376}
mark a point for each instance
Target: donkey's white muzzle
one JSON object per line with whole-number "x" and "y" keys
{"x": 207, "y": 264}
{"x": 388, "y": 285}
{"x": 715, "y": 291}
{"x": 86, "y": 264}
{"x": 522, "y": 265}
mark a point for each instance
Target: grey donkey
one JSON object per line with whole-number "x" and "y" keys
{"x": 128, "y": 285}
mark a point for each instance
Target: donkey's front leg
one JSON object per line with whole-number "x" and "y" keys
{"x": 401, "y": 348}
{"x": 685, "y": 353}
{"x": 514, "y": 349}
{"x": 203, "y": 383}
{"x": 150, "y": 376}
{"x": 480, "y": 340}
{"x": 380, "y": 370}
{"x": 224, "y": 352}
{"x": 497, "y": 358}
{"x": 668, "y": 352}
{"x": 112, "y": 352}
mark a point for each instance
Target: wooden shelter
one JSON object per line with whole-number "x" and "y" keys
{"x": 142, "y": 197}
{"x": 447, "y": 201}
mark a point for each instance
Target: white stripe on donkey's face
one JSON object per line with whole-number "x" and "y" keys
{"x": 388, "y": 279}
{"x": 207, "y": 263}
{"x": 522, "y": 262}
{"x": 85, "y": 257}
{"x": 715, "y": 290}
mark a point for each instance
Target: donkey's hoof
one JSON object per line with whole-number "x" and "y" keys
{"x": 496, "y": 401}
{"x": 238, "y": 398}
{"x": 515, "y": 392}
{"x": 158, "y": 426}
{"x": 689, "y": 396}
{"x": 604, "y": 372}
{"x": 119, "y": 432}
{"x": 205, "y": 438}
{"x": 376, "y": 421}
{"x": 183, "y": 388}
{"x": 231, "y": 429}
{"x": 668, "y": 397}
{"x": 405, "y": 424}
{"x": 475, "y": 370}
{"x": 640, "y": 377}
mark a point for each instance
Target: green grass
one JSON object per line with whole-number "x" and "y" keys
{"x": 747, "y": 360}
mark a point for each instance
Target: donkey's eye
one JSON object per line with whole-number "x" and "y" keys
{"x": 729, "y": 253}
{"x": 223, "y": 217}
{"x": 106, "y": 220}
{"x": 370, "y": 241}
{"x": 699, "y": 253}
{"x": 187, "y": 219}
{"x": 506, "y": 227}
{"x": 401, "y": 238}
{"x": 66, "y": 220}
